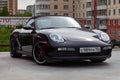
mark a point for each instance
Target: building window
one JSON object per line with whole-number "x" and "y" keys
{"x": 109, "y": 12}
{"x": 83, "y": 14}
{"x": 65, "y": 0}
{"x": 102, "y": 12}
{"x": 119, "y": 22}
{"x": 102, "y": 2}
{"x": 76, "y": 15}
{"x": 109, "y": 2}
{"x": 119, "y": 11}
{"x": 79, "y": 15}
{"x": 83, "y": 6}
{"x": 55, "y": 13}
{"x": 89, "y": 4}
{"x": 66, "y": 14}
{"x": 73, "y": 15}
{"x": 114, "y": 2}
{"x": 66, "y": 7}
{"x": 114, "y": 11}
{"x": 73, "y": 1}
{"x": 55, "y": 6}
{"x": 89, "y": 13}
{"x": 119, "y": 1}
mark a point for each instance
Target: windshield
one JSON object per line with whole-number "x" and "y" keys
{"x": 56, "y": 22}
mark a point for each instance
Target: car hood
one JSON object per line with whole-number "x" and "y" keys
{"x": 73, "y": 34}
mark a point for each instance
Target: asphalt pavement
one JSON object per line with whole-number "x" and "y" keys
{"x": 26, "y": 69}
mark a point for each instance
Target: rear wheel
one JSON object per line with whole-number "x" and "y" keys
{"x": 98, "y": 60}
{"x": 39, "y": 54}
{"x": 14, "y": 48}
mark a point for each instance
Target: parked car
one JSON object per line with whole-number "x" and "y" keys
{"x": 59, "y": 38}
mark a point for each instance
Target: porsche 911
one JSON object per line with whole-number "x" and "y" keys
{"x": 59, "y": 38}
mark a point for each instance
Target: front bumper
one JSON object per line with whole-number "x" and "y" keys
{"x": 56, "y": 55}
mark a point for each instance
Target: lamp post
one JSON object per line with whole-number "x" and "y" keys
{"x": 34, "y": 10}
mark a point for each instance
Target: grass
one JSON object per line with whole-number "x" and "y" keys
{"x": 4, "y": 49}
{"x": 5, "y": 33}
{"x": 4, "y": 38}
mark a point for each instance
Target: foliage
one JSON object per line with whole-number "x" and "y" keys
{"x": 116, "y": 42}
{"x": 19, "y": 26}
{"x": 4, "y": 49}
{"x": 4, "y": 11}
{"x": 5, "y": 33}
{"x": 27, "y": 14}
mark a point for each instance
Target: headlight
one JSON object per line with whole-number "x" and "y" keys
{"x": 104, "y": 37}
{"x": 56, "y": 38}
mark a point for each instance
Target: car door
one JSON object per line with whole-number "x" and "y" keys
{"x": 26, "y": 37}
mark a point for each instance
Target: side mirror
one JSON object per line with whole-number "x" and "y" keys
{"x": 28, "y": 27}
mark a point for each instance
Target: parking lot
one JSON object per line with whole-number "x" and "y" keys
{"x": 26, "y": 69}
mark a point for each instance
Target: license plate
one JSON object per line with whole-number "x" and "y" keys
{"x": 90, "y": 49}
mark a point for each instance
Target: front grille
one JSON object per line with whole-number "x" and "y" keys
{"x": 77, "y": 54}
{"x": 89, "y": 54}
{"x": 66, "y": 53}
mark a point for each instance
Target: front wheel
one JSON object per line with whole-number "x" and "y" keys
{"x": 14, "y": 48}
{"x": 98, "y": 60}
{"x": 39, "y": 54}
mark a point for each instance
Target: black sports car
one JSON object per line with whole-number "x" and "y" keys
{"x": 59, "y": 38}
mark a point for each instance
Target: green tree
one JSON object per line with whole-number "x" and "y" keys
{"x": 4, "y": 11}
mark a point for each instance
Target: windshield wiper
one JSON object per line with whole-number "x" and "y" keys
{"x": 73, "y": 27}
{"x": 50, "y": 28}
{"x": 59, "y": 27}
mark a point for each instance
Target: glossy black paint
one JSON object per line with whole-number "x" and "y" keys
{"x": 74, "y": 38}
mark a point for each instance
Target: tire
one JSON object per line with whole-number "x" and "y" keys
{"x": 39, "y": 54}
{"x": 14, "y": 48}
{"x": 98, "y": 60}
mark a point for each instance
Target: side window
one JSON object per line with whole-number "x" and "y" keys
{"x": 30, "y": 23}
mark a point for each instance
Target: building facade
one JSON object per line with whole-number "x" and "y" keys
{"x": 96, "y": 13}
{"x": 3, "y": 3}
{"x": 11, "y": 4}
{"x": 104, "y": 15}
{"x": 73, "y": 8}
{"x": 113, "y": 9}
{"x": 61, "y": 7}
{"x": 42, "y": 7}
{"x": 31, "y": 9}
{"x": 113, "y": 18}
{"x": 12, "y": 7}
{"x": 79, "y": 9}
{"x": 99, "y": 14}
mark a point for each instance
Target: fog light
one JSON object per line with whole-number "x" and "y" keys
{"x": 66, "y": 49}
{"x": 105, "y": 48}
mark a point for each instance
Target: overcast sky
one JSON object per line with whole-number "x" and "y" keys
{"x": 23, "y": 3}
